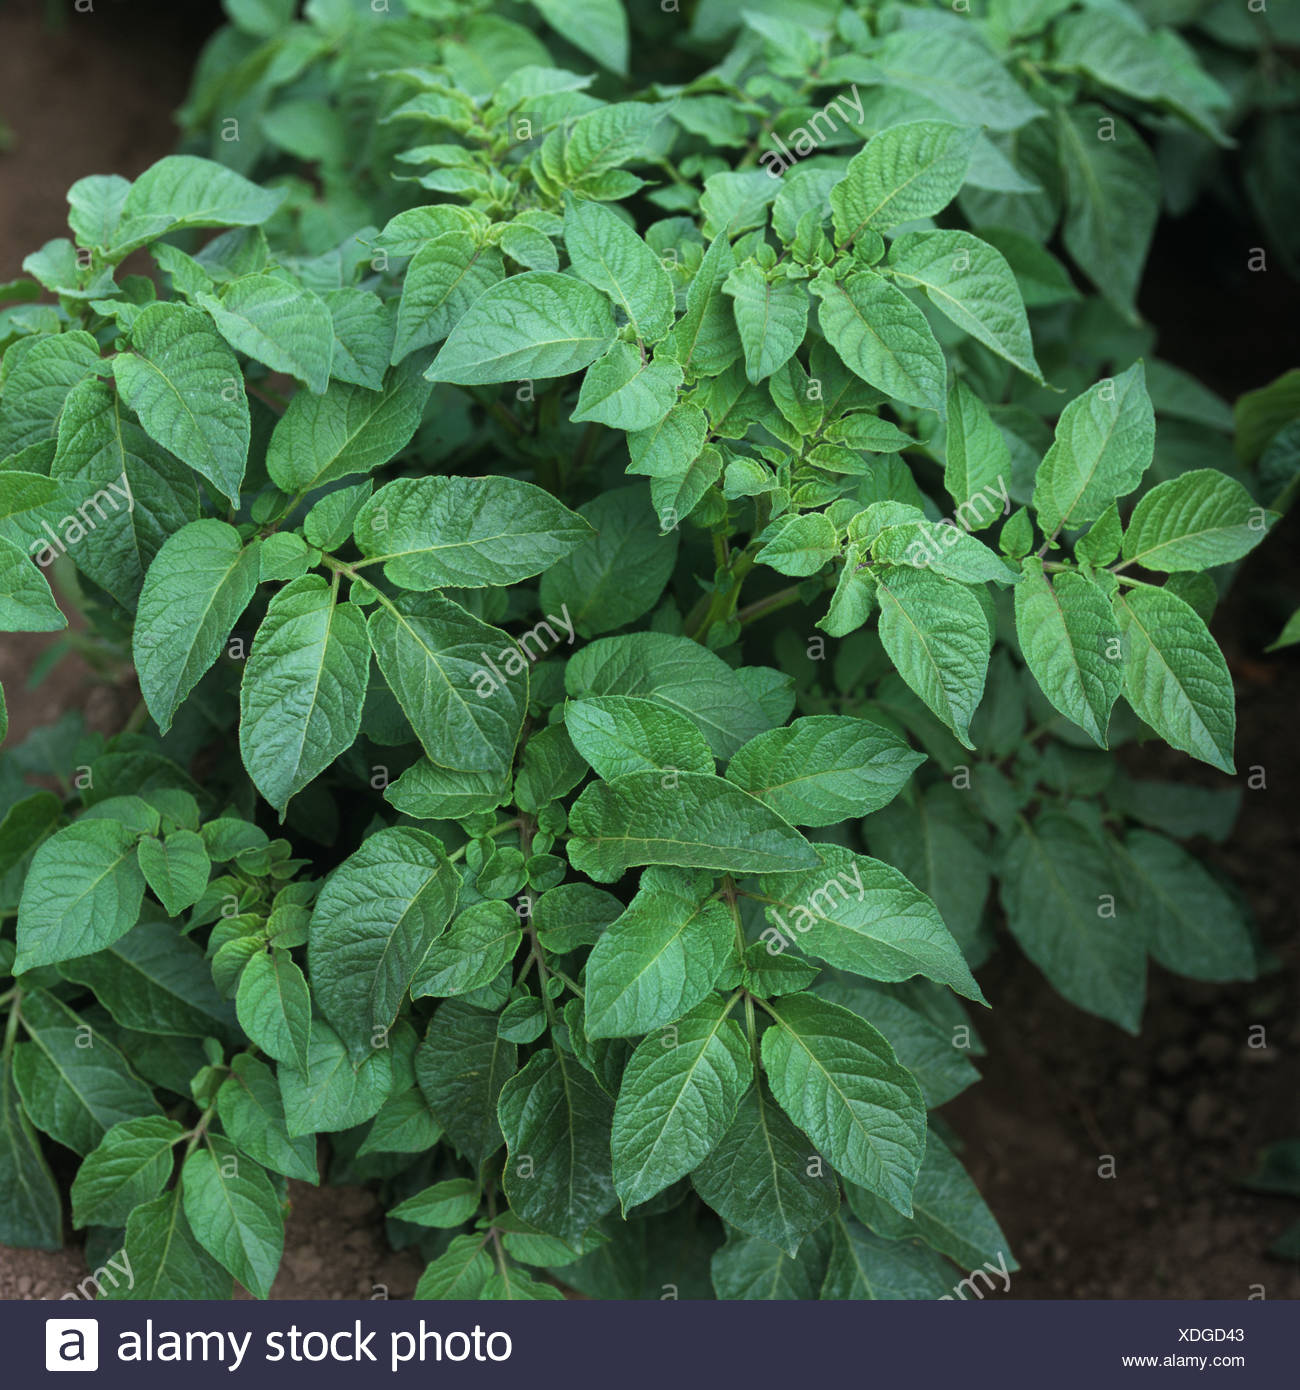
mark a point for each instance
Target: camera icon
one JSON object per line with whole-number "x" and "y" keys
{"x": 71, "y": 1344}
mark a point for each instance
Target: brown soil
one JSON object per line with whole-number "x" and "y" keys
{"x": 1182, "y": 1110}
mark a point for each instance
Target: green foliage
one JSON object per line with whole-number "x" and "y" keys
{"x": 759, "y": 537}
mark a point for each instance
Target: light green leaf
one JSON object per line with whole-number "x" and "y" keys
{"x": 597, "y": 27}
{"x": 944, "y": 548}
{"x": 374, "y": 922}
{"x": 937, "y": 636}
{"x": 176, "y": 869}
{"x": 449, "y": 1203}
{"x": 771, "y": 317}
{"x": 1194, "y": 522}
{"x": 274, "y": 1006}
{"x": 332, "y": 1093}
{"x": 185, "y": 384}
{"x": 969, "y": 282}
{"x": 182, "y": 190}
{"x": 276, "y": 322}
{"x": 234, "y": 1213}
{"x": 825, "y": 768}
{"x": 83, "y": 891}
{"x": 442, "y": 665}
{"x": 1067, "y": 632}
{"x": 26, "y": 603}
{"x": 858, "y": 914}
{"x": 554, "y": 1113}
{"x": 363, "y": 326}
{"x": 1061, "y": 895}
{"x": 348, "y": 430}
{"x": 468, "y": 532}
{"x": 194, "y": 592}
{"x": 130, "y": 1165}
{"x": 701, "y": 822}
{"x": 443, "y": 280}
{"x": 1175, "y": 676}
{"x": 620, "y": 733}
{"x": 882, "y": 336}
{"x": 475, "y": 949}
{"x": 607, "y": 253}
{"x": 659, "y": 959}
{"x": 1104, "y": 443}
{"x": 461, "y": 1271}
{"x": 903, "y": 172}
{"x": 624, "y": 392}
{"x": 39, "y": 373}
{"x": 799, "y": 544}
{"x": 252, "y": 1114}
{"x": 839, "y": 1081}
{"x": 678, "y": 1097}
{"x": 538, "y": 324}
{"x": 166, "y": 1259}
{"x": 303, "y": 689}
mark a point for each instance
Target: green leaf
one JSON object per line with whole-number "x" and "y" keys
{"x": 749, "y": 1268}
{"x": 274, "y": 1006}
{"x": 617, "y": 574}
{"x": 1175, "y": 676}
{"x": 345, "y": 431}
{"x": 404, "y": 1125}
{"x": 374, "y": 922}
{"x": 443, "y": 280}
{"x": 556, "y": 1122}
{"x": 332, "y": 1093}
{"x": 83, "y": 891}
{"x": 31, "y": 1209}
{"x": 699, "y": 821}
{"x": 659, "y": 959}
{"x": 449, "y": 1203}
{"x": 978, "y": 459}
{"x": 606, "y": 252}
{"x": 935, "y": 633}
{"x": 677, "y": 672}
{"x": 1113, "y": 199}
{"x": 1104, "y": 443}
{"x": 678, "y": 1097}
{"x": 303, "y": 689}
{"x": 26, "y": 603}
{"x": 166, "y": 1260}
{"x": 1061, "y": 896}
{"x": 23, "y": 492}
{"x": 862, "y": 1266}
{"x": 252, "y": 1114}
{"x": 182, "y": 190}
{"x": 1194, "y": 522}
{"x": 538, "y": 324}
{"x": 363, "y": 327}
{"x": 624, "y": 392}
{"x": 1193, "y": 926}
{"x": 153, "y": 980}
{"x": 39, "y": 374}
{"x": 597, "y": 27}
{"x": 1067, "y": 632}
{"x": 194, "y": 592}
{"x": 442, "y": 665}
{"x": 825, "y": 768}
{"x": 234, "y": 1213}
{"x": 771, "y": 317}
{"x": 461, "y": 1271}
{"x": 176, "y": 869}
{"x": 858, "y": 914}
{"x": 799, "y": 544}
{"x": 839, "y": 1081}
{"x": 131, "y": 1165}
{"x": 948, "y": 1213}
{"x": 617, "y": 734}
{"x": 477, "y": 946}
{"x": 902, "y": 173}
{"x": 185, "y": 384}
{"x": 969, "y": 282}
{"x": 705, "y": 337}
{"x": 760, "y": 1177}
{"x": 75, "y": 1085}
{"x": 461, "y": 1067}
{"x": 469, "y": 532}
{"x": 276, "y": 322}
{"x": 882, "y": 336}
{"x": 941, "y": 546}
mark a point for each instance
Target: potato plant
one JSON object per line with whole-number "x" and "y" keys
{"x": 614, "y": 583}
